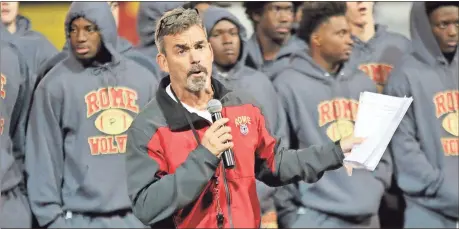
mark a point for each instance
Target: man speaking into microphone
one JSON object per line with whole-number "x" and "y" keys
{"x": 174, "y": 149}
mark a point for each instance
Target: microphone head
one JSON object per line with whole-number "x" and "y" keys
{"x": 214, "y": 106}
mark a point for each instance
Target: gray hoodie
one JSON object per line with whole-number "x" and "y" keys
{"x": 256, "y": 84}
{"x": 272, "y": 68}
{"x": 147, "y": 15}
{"x": 14, "y": 95}
{"x": 425, "y": 145}
{"x": 322, "y": 107}
{"x": 76, "y": 136}
{"x": 378, "y": 56}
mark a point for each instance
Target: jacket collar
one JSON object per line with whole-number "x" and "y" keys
{"x": 174, "y": 112}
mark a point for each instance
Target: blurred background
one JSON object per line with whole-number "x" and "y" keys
{"x": 48, "y": 18}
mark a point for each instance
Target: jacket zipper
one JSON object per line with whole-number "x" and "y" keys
{"x": 228, "y": 197}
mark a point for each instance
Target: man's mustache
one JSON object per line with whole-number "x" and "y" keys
{"x": 197, "y": 68}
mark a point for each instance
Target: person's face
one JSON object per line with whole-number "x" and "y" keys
{"x": 359, "y": 13}
{"x": 276, "y": 20}
{"x": 445, "y": 25}
{"x": 85, "y": 39}
{"x": 333, "y": 38}
{"x": 115, "y": 7}
{"x": 9, "y": 12}
{"x": 225, "y": 42}
{"x": 188, "y": 59}
{"x": 299, "y": 13}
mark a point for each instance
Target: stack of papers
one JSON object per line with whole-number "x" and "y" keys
{"x": 378, "y": 117}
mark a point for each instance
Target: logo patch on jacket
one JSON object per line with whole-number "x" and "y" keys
{"x": 112, "y": 103}
{"x": 2, "y": 86}
{"x": 242, "y": 122}
{"x": 447, "y": 109}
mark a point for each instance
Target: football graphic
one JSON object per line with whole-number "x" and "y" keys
{"x": 340, "y": 129}
{"x": 113, "y": 121}
{"x": 451, "y": 123}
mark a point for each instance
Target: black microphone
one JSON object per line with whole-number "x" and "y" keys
{"x": 215, "y": 109}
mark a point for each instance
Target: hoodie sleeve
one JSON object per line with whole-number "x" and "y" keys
{"x": 415, "y": 174}
{"x": 276, "y": 165}
{"x": 156, "y": 194}
{"x": 45, "y": 159}
{"x": 20, "y": 112}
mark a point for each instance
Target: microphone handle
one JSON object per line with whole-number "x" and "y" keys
{"x": 228, "y": 155}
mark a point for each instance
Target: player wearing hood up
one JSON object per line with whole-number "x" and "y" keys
{"x": 76, "y": 136}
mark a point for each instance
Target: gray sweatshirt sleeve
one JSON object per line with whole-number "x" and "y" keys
{"x": 155, "y": 194}
{"x": 45, "y": 159}
{"x": 20, "y": 114}
{"x": 414, "y": 173}
{"x": 276, "y": 165}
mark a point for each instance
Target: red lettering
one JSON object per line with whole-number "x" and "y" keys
{"x": 104, "y": 98}
{"x": 107, "y": 144}
{"x": 446, "y": 102}
{"x": 2, "y": 125}
{"x": 450, "y": 146}
{"x": 121, "y": 143}
{"x": 325, "y": 115}
{"x": 91, "y": 104}
{"x": 131, "y": 97}
{"x": 2, "y": 86}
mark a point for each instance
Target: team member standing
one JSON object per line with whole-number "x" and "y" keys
{"x": 14, "y": 210}
{"x": 425, "y": 146}
{"x": 376, "y": 50}
{"x": 320, "y": 93}
{"x": 226, "y": 35}
{"x": 173, "y": 150}
{"x": 272, "y": 41}
{"x": 76, "y": 137}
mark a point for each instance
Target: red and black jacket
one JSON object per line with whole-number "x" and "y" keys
{"x": 172, "y": 176}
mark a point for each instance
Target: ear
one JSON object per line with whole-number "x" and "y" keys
{"x": 316, "y": 40}
{"x": 162, "y": 62}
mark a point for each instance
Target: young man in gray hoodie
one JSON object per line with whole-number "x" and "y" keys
{"x": 425, "y": 146}
{"x": 76, "y": 135}
{"x": 122, "y": 46}
{"x": 227, "y": 37}
{"x": 272, "y": 41}
{"x": 376, "y": 50}
{"x": 14, "y": 94}
{"x": 320, "y": 92}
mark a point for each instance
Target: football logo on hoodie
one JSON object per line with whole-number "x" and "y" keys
{"x": 112, "y": 105}
{"x": 447, "y": 109}
{"x": 377, "y": 72}
{"x": 340, "y": 114}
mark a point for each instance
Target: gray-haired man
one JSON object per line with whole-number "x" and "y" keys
{"x": 173, "y": 149}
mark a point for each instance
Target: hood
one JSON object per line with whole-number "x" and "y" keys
{"x": 293, "y": 45}
{"x": 211, "y": 17}
{"x": 302, "y": 62}
{"x": 425, "y": 46}
{"x": 100, "y": 14}
{"x": 147, "y": 15}
{"x": 23, "y": 25}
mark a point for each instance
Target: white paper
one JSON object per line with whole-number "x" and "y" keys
{"x": 378, "y": 117}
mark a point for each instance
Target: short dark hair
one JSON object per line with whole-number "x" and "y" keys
{"x": 432, "y": 6}
{"x": 316, "y": 13}
{"x": 254, "y": 7}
